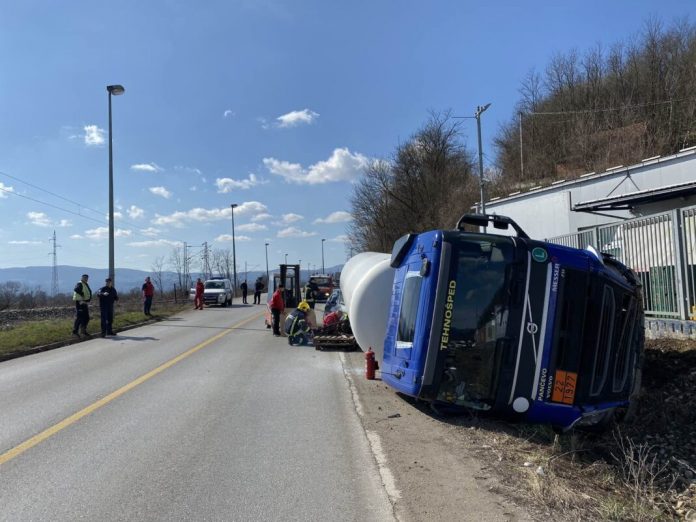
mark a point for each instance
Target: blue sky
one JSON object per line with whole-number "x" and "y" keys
{"x": 273, "y": 105}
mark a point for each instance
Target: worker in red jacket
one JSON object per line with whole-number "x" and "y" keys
{"x": 200, "y": 290}
{"x": 277, "y": 306}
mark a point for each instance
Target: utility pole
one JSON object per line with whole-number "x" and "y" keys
{"x": 54, "y": 277}
{"x": 521, "y": 156}
{"x": 186, "y": 271}
{"x": 206, "y": 262}
{"x": 480, "y": 110}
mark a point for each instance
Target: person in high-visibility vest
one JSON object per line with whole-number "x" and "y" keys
{"x": 82, "y": 295}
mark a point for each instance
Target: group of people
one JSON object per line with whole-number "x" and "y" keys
{"x": 258, "y": 288}
{"x": 107, "y": 294}
{"x": 301, "y": 322}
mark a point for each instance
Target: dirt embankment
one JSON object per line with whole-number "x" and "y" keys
{"x": 640, "y": 471}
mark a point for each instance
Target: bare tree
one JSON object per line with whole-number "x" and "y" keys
{"x": 424, "y": 187}
{"x": 157, "y": 269}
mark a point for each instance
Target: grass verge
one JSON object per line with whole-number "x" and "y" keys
{"x": 27, "y": 336}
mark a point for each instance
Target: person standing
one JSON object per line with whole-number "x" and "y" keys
{"x": 277, "y": 307}
{"x": 245, "y": 289}
{"x": 107, "y": 297}
{"x": 148, "y": 292}
{"x": 258, "y": 288}
{"x": 310, "y": 294}
{"x": 200, "y": 290}
{"x": 82, "y": 294}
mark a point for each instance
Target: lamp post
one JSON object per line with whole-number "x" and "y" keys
{"x": 268, "y": 282}
{"x": 114, "y": 90}
{"x": 480, "y": 110}
{"x": 286, "y": 259}
{"x": 323, "y": 270}
{"x": 234, "y": 253}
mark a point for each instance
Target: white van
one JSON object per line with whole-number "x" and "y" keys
{"x": 218, "y": 291}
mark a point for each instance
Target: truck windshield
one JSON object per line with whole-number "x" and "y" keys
{"x": 478, "y": 300}
{"x": 321, "y": 281}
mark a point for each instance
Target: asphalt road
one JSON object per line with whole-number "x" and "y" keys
{"x": 240, "y": 427}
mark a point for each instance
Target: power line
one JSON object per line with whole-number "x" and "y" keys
{"x": 79, "y": 205}
{"x": 100, "y": 222}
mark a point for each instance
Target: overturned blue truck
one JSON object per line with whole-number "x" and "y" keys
{"x": 514, "y": 327}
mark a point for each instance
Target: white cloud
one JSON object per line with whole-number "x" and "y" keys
{"x": 252, "y": 227}
{"x": 343, "y": 165}
{"x": 135, "y": 212}
{"x": 291, "y": 218}
{"x": 147, "y": 167}
{"x": 228, "y": 237}
{"x": 340, "y": 239}
{"x": 261, "y": 217}
{"x": 150, "y": 232}
{"x": 63, "y": 223}
{"x": 24, "y": 242}
{"x": 103, "y": 233}
{"x": 5, "y": 189}
{"x": 228, "y": 114}
{"x": 335, "y": 217}
{"x": 226, "y": 185}
{"x": 39, "y": 219}
{"x": 208, "y": 215}
{"x": 155, "y": 243}
{"x": 160, "y": 191}
{"x": 294, "y": 118}
{"x": 94, "y": 136}
{"x": 294, "y": 232}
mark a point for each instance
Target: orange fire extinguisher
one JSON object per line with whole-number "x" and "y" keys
{"x": 370, "y": 364}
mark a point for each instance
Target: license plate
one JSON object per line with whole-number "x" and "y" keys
{"x": 564, "y": 387}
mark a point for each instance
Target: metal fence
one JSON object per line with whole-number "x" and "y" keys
{"x": 661, "y": 249}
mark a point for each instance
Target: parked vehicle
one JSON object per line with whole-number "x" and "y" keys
{"x": 334, "y": 301}
{"x": 324, "y": 283}
{"x": 508, "y": 326}
{"x": 218, "y": 291}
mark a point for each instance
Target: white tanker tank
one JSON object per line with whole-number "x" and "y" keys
{"x": 366, "y": 284}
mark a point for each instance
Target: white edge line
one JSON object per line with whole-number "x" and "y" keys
{"x": 373, "y": 440}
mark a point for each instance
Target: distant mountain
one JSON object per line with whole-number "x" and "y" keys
{"x": 40, "y": 277}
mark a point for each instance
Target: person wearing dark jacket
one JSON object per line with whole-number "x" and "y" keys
{"x": 82, "y": 295}
{"x": 245, "y": 289}
{"x": 311, "y": 294}
{"x": 277, "y": 305}
{"x": 296, "y": 324}
{"x": 107, "y": 296}
{"x": 258, "y": 288}
{"x": 148, "y": 292}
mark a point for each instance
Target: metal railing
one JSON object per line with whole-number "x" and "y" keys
{"x": 660, "y": 249}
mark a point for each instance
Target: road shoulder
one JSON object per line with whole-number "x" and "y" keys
{"x": 431, "y": 463}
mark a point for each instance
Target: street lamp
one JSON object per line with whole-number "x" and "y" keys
{"x": 114, "y": 90}
{"x": 268, "y": 282}
{"x": 286, "y": 259}
{"x": 234, "y": 253}
{"x": 323, "y": 270}
{"x": 480, "y": 110}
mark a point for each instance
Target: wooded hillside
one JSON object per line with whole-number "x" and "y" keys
{"x": 606, "y": 107}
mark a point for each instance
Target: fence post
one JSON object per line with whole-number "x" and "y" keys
{"x": 175, "y": 302}
{"x": 679, "y": 264}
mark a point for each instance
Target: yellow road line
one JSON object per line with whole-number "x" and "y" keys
{"x": 72, "y": 419}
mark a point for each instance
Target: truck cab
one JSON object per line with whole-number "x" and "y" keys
{"x": 325, "y": 285}
{"x": 512, "y": 326}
